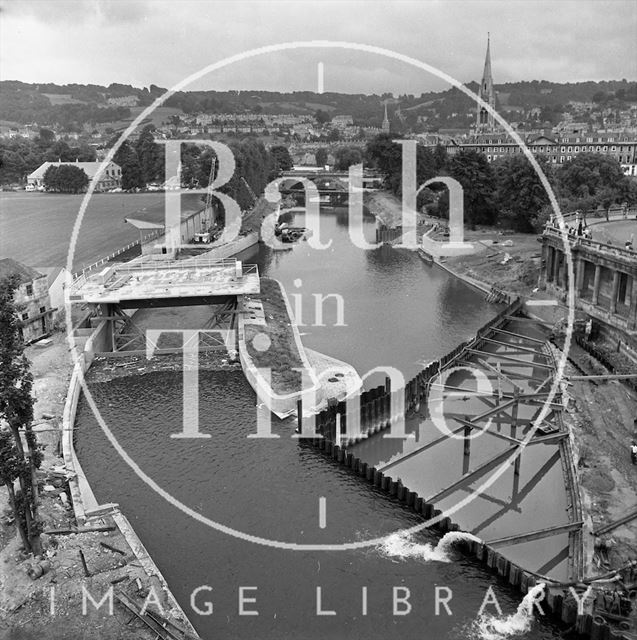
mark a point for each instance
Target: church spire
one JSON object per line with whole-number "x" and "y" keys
{"x": 485, "y": 120}
{"x": 385, "y": 125}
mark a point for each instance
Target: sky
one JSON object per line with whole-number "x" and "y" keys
{"x": 164, "y": 42}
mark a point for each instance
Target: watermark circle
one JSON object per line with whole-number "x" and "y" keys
{"x": 79, "y": 358}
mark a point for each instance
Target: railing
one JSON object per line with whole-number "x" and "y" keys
{"x": 191, "y": 263}
{"x": 99, "y": 263}
{"x": 155, "y": 265}
{"x": 592, "y": 244}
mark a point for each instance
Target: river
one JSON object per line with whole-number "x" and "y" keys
{"x": 398, "y": 312}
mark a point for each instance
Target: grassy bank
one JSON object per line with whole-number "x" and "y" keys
{"x": 282, "y": 356}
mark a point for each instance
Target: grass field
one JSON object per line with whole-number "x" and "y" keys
{"x": 36, "y": 228}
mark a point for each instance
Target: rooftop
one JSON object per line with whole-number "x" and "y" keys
{"x": 9, "y": 266}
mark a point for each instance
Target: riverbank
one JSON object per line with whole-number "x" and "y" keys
{"x": 51, "y": 606}
{"x": 600, "y": 414}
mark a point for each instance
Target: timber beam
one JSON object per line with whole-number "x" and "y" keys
{"x": 538, "y": 534}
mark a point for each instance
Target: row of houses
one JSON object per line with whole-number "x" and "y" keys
{"x": 39, "y": 298}
{"x": 557, "y": 150}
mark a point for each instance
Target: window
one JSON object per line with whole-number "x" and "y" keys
{"x": 29, "y": 289}
{"x": 576, "y": 149}
{"x": 42, "y": 309}
{"x": 570, "y": 149}
{"x": 563, "y": 149}
{"x": 25, "y": 316}
{"x": 568, "y": 157}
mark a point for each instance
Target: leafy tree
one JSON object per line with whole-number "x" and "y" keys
{"x": 521, "y": 197}
{"x": 472, "y": 170}
{"x": 321, "y": 157}
{"x": 281, "y": 158}
{"x": 347, "y": 156}
{"x": 65, "y": 178}
{"x": 60, "y": 152}
{"x": 593, "y": 175}
{"x": 126, "y": 158}
{"x": 150, "y": 156}
{"x": 46, "y": 137}
{"x": 440, "y": 158}
{"x": 16, "y": 411}
{"x": 322, "y": 117}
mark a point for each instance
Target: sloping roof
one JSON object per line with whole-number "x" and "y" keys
{"x": 9, "y": 266}
{"x": 51, "y": 273}
{"x": 90, "y": 168}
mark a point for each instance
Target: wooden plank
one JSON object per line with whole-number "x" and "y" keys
{"x": 497, "y": 409}
{"x": 518, "y": 335}
{"x": 502, "y": 436}
{"x": 538, "y": 534}
{"x": 513, "y": 346}
{"x": 559, "y": 435}
{"x": 610, "y": 376}
{"x": 612, "y": 525}
{"x": 499, "y": 374}
{"x": 508, "y": 359}
{"x": 468, "y": 477}
{"x": 411, "y": 454}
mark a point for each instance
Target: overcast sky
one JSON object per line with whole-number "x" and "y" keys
{"x": 162, "y": 42}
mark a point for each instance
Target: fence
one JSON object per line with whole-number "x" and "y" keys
{"x": 110, "y": 257}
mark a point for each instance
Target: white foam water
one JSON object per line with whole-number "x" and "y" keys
{"x": 490, "y": 627}
{"x": 403, "y": 546}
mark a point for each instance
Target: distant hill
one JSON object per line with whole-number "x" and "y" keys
{"x": 71, "y": 107}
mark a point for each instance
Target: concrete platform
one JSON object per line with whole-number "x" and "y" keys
{"x": 153, "y": 280}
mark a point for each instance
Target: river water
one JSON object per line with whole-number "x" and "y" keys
{"x": 399, "y": 313}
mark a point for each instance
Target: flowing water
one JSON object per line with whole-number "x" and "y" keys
{"x": 398, "y": 312}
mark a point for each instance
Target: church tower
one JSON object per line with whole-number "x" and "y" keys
{"x": 385, "y": 125}
{"x": 485, "y": 120}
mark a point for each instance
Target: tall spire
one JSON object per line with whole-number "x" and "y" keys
{"x": 385, "y": 125}
{"x": 487, "y": 61}
{"x": 485, "y": 120}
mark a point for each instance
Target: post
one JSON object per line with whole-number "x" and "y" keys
{"x": 579, "y": 278}
{"x": 632, "y": 315}
{"x": 467, "y": 448}
{"x": 556, "y": 267}
{"x": 549, "y": 263}
{"x": 598, "y": 275}
{"x": 614, "y": 291}
{"x": 299, "y": 414}
{"x": 514, "y": 426}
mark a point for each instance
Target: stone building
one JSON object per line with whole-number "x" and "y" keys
{"x": 111, "y": 177}
{"x": 31, "y": 299}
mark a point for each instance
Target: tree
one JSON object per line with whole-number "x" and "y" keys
{"x": 321, "y": 157}
{"x": 16, "y": 411}
{"x": 346, "y": 157}
{"x": 322, "y": 117}
{"x": 521, "y": 197}
{"x": 65, "y": 178}
{"x": 474, "y": 173}
{"x": 593, "y": 175}
{"x": 281, "y": 158}
{"x": 46, "y": 138}
{"x": 126, "y": 158}
{"x": 150, "y": 156}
